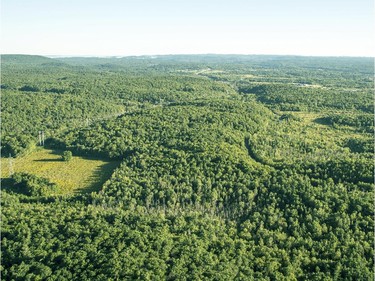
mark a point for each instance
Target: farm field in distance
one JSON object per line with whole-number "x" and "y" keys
{"x": 187, "y": 167}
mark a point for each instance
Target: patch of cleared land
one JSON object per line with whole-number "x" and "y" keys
{"x": 78, "y": 175}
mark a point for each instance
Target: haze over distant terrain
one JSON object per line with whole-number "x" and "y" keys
{"x": 118, "y": 28}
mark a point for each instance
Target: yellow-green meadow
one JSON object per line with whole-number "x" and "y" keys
{"x": 80, "y": 174}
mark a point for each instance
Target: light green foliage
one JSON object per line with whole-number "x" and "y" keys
{"x": 67, "y": 156}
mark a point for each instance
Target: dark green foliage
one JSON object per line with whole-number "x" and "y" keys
{"x": 33, "y": 185}
{"x": 233, "y": 168}
{"x": 15, "y": 144}
{"x": 358, "y": 121}
{"x": 29, "y": 89}
{"x": 360, "y": 145}
{"x": 299, "y": 97}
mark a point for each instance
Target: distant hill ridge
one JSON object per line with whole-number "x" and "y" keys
{"x": 194, "y": 61}
{"x": 25, "y": 59}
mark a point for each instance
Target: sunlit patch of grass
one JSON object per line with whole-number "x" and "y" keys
{"x": 77, "y": 175}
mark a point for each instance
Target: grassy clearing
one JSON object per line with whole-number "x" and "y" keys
{"x": 326, "y": 133}
{"x": 78, "y": 175}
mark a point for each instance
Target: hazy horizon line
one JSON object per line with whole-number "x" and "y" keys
{"x": 183, "y": 54}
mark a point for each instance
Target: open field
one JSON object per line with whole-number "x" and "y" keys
{"x": 78, "y": 175}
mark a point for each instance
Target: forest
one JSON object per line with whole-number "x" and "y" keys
{"x": 223, "y": 167}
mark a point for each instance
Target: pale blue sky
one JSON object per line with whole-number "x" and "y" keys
{"x": 146, "y": 27}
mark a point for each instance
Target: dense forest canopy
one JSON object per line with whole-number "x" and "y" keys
{"x": 231, "y": 168}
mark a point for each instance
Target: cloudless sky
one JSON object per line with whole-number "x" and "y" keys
{"x": 150, "y": 27}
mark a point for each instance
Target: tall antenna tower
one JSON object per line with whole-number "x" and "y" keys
{"x": 43, "y": 138}
{"x": 40, "y": 138}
